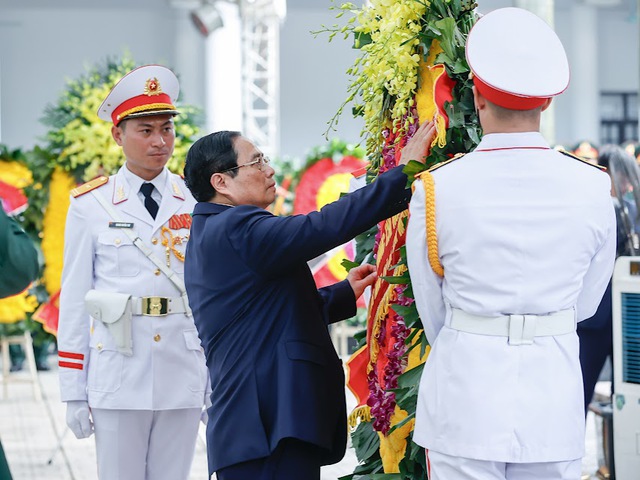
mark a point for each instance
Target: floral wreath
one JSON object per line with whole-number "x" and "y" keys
{"x": 412, "y": 69}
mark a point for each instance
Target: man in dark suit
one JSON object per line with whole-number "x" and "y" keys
{"x": 278, "y": 405}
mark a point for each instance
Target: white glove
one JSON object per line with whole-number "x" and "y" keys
{"x": 204, "y": 416}
{"x": 79, "y": 419}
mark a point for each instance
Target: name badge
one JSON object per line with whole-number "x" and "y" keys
{"x": 120, "y": 225}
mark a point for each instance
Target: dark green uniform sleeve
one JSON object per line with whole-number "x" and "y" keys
{"x": 18, "y": 257}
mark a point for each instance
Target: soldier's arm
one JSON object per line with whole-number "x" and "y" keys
{"x": 18, "y": 257}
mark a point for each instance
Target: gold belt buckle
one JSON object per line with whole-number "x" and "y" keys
{"x": 155, "y": 306}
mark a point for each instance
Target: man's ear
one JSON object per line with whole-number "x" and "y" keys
{"x": 478, "y": 100}
{"x": 546, "y": 104}
{"x": 116, "y": 133}
{"x": 219, "y": 182}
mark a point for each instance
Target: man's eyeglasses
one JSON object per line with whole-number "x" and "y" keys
{"x": 260, "y": 162}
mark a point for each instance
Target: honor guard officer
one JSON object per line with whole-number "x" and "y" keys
{"x": 131, "y": 365}
{"x": 522, "y": 249}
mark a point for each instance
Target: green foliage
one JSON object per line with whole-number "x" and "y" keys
{"x": 40, "y": 162}
{"x": 449, "y": 22}
{"x": 334, "y": 149}
{"x": 367, "y": 446}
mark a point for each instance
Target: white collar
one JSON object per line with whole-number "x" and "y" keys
{"x": 135, "y": 182}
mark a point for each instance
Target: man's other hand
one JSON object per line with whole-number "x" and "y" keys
{"x": 361, "y": 277}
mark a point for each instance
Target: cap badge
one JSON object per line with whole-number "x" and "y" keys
{"x": 152, "y": 87}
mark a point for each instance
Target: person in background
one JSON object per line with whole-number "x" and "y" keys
{"x": 18, "y": 257}
{"x": 131, "y": 363}
{"x": 18, "y": 268}
{"x": 595, "y": 333}
{"x": 278, "y": 402}
{"x": 519, "y": 248}
{"x": 586, "y": 150}
{"x": 632, "y": 147}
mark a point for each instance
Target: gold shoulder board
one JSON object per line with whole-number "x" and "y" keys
{"x": 446, "y": 162}
{"x": 583, "y": 160}
{"x": 87, "y": 187}
{"x": 441, "y": 164}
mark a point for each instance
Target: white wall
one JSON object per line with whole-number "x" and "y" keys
{"x": 40, "y": 49}
{"x": 313, "y": 81}
{"x": 618, "y": 50}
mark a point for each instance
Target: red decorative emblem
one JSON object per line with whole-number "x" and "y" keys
{"x": 152, "y": 87}
{"x": 182, "y": 220}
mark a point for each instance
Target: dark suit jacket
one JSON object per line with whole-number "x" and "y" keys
{"x": 263, "y": 322}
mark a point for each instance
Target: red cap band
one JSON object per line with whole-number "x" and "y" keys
{"x": 141, "y": 103}
{"x": 507, "y": 100}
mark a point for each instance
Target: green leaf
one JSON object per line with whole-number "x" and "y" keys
{"x": 410, "y": 377}
{"x": 411, "y": 169}
{"x": 379, "y": 476}
{"x": 348, "y": 264}
{"x": 365, "y": 441}
{"x": 360, "y": 39}
{"x": 397, "y": 279}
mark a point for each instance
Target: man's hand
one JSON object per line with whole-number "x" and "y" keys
{"x": 361, "y": 277}
{"x": 418, "y": 146}
{"x": 79, "y": 418}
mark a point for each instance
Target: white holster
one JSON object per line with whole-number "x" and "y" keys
{"x": 115, "y": 312}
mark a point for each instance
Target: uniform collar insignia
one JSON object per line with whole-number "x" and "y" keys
{"x": 120, "y": 193}
{"x": 177, "y": 191}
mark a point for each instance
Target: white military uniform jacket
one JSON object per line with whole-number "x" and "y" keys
{"x": 167, "y": 369}
{"x": 522, "y": 229}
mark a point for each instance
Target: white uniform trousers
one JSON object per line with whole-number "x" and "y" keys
{"x": 145, "y": 444}
{"x": 447, "y": 467}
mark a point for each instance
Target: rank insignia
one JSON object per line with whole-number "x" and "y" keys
{"x": 177, "y": 192}
{"x": 120, "y": 195}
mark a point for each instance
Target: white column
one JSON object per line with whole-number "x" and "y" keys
{"x": 189, "y": 54}
{"x": 224, "y": 72}
{"x": 585, "y": 92}
{"x": 545, "y": 10}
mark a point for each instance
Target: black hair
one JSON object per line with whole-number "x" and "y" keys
{"x": 208, "y": 155}
{"x": 615, "y": 159}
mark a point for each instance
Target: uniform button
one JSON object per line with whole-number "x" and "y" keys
{"x": 117, "y": 241}
{"x": 157, "y": 272}
{"x": 154, "y": 240}
{"x": 157, "y": 337}
{"x": 99, "y": 346}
